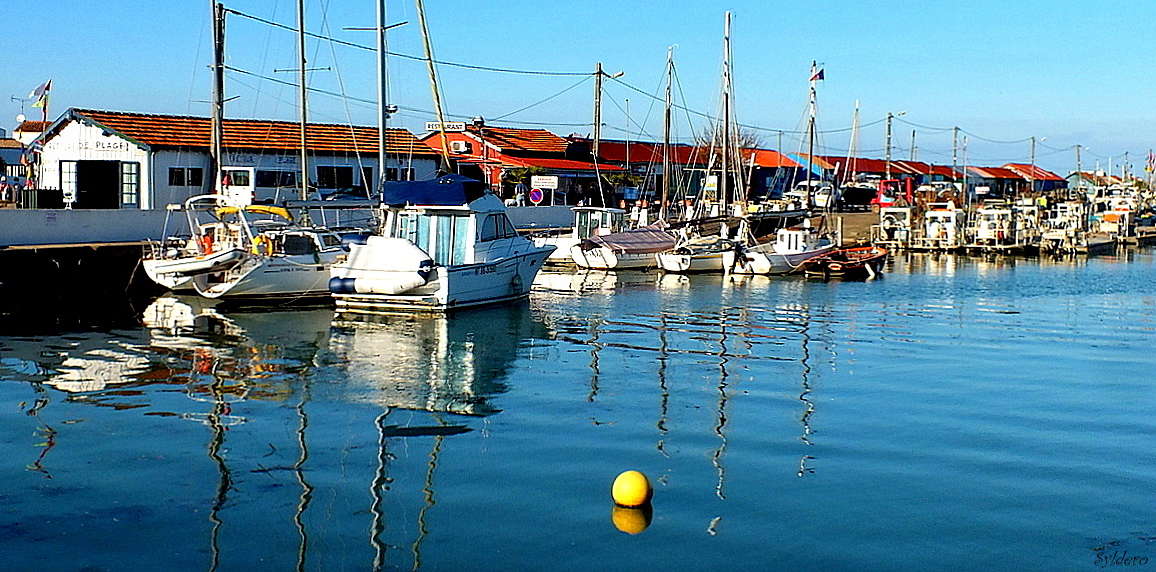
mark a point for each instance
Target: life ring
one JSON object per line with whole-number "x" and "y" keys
{"x": 262, "y": 245}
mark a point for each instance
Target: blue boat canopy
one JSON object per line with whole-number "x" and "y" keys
{"x": 447, "y": 190}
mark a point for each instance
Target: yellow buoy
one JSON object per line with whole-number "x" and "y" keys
{"x": 631, "y": 488}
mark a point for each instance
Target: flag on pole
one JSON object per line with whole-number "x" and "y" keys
{"x": 40, "y": 94}
{"x": 817, "y": 76}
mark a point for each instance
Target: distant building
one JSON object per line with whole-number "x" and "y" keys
{"x": 1038, "y": 180}
{"x": 490, "y": 154}
{"x": 114, "y": 160}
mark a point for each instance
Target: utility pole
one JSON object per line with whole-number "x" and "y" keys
{"x": 888, "y": 151}
{"x": 954, "y": 148}
{"x": 598, "y": 73}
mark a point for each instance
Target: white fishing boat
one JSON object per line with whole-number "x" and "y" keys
{"x": 784, "y": 255}
{"x": 624, "y": 250}
{"x": 588, "y": 222}
{"x": 445, "y": 244}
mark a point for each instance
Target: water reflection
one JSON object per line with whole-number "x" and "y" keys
{"x": 268, "y": 386}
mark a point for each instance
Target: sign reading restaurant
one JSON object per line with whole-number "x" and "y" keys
{"x": 449, "y": 126}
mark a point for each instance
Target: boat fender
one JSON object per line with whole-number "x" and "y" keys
{"x": 348, "y": 239}
{"x": 835, "y": 266}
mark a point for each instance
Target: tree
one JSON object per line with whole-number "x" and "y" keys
{"x": 619, "y": 179}
{"x": 522, "y": 175}
{"x": 746, "y": 137}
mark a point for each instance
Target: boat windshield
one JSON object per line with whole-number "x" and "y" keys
{"x": 444, "y": 237}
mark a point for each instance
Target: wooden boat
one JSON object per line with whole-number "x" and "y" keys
{"x": 848, "y": 263}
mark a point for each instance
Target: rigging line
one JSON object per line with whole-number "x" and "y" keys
{"x": 407, "y": 56}
{"x": 341, "y": 86}
{"x": 535, "y": 104}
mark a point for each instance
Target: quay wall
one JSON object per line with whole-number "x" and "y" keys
{"x": 42, "y": 227}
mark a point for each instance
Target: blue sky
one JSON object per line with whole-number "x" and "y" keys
{"x": 1065, "y": 72}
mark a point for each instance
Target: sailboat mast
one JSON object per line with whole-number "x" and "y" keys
{"x": 726, "y": 134}
{"x": 217, "y": 130}
{"x": 433, "y": 81}
{"x": 811, "y": 128}
{"x": 301, "y": 98}
{"x": 382, "y": 97}
{"x": 666, "y": 135}
{"x": 852, "y": 169}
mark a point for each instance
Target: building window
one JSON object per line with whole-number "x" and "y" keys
{"x": 176, "y": 176}
{"x": 130, "y": 183}
{"x": 186, "y": 177}
{"x": 276, "y": 178}
{"x": 331, "y": 177}
{"x": 196, "y": 177}
{"x": 367, "y": 181}
{"x": 392, "y": 174}
{"x": 68, "y": 177}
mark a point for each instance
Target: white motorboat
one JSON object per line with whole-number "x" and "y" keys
{"x": 786, "y": 254}
{"x": 588, "y": 222}
{"x": 446, "y": 244}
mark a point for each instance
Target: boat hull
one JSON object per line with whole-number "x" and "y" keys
{"x": 451, "y": 287}
{"x": 848, "y": 263}
{"x": 605, "y": 259}
{"x": 274, "y": 276}
{"x": 767, "y": 261}
{"x": 689, "y": 263}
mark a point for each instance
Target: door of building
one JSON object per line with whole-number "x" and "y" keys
{"x": 97, "y": 185}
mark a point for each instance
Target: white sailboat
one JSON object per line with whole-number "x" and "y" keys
{"x": 446, "y": 244}
{"x": 784, "y": 255}
{"x": 697, "y": 251}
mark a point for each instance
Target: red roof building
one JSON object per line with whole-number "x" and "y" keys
{"x": 490, "y": 153}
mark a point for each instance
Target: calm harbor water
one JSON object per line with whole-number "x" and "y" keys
{"x": 959, "y": 414}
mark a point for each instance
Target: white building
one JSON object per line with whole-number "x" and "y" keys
{"x": 117, "y": 160}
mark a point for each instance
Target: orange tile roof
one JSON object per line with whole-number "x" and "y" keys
{"x": 555, "y": 164}
{"x": 531, "y": 140}
{"x": 30, "y": 126}
{"x": 768, "y": 158}
{"x": 647, "y": 152}
{"x": 186, "y": 131}
{"x": 10, "y": 144}
{"x": 1029, "y": 171}
{"x": 996, "y": 173}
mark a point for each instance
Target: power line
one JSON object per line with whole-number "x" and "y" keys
{"x": 406, "y": 56}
